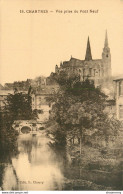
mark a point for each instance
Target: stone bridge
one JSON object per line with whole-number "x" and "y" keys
{"x": 28, "y": 126}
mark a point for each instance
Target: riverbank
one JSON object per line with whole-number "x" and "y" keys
{"x": 102, "y": 167}
{"x": 98, "y": 168}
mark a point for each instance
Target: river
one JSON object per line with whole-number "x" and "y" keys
{"x": 38, "y": 167}
{"x": 35, "y": 168}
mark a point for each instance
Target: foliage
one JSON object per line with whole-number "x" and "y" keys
{"x": 17, "y": 107}
{"x": 78, "y": 107}
{"x": 8, "y": 137}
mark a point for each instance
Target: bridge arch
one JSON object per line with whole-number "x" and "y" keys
{"x": 41, "y": 128}
{"x": 25, "y": 129}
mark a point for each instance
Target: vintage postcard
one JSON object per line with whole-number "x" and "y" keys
{"x": 61, "y": 95}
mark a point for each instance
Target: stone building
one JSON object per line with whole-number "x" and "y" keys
{"x": 98, "y": 70}
{"x": 40, "y": 103}
{"x": 119, "y": 97}
{"x": 3, "y": 97}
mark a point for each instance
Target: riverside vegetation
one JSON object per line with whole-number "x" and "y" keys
{"x": 80, "y": 130}
{"x": 83, "y": 133}
{"x": 17, "y": 107}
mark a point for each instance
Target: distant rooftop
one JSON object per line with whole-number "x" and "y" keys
{"x": 6, "y": 92}
{"x": 1, "y": 87}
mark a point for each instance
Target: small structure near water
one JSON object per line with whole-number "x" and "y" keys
{"x": 28, "y": 126}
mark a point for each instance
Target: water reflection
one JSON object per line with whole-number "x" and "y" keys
{"x": 35, "y": 168}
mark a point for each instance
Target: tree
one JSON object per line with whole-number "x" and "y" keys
{"x": 17, "y": 107}
{"x": 78, "y": 109}
{"x": 8, "y": 137}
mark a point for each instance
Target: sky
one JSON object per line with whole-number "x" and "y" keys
{"x": 31, "y": 44}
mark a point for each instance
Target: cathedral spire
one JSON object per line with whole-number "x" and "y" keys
{"x": 106, "y": 40}
{"x": 88, "y": 55}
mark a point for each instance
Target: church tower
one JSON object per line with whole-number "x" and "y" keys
{"x": 88, "y": 55}
{"x": 106, "y": 58}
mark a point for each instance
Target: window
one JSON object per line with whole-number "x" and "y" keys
{"x": 121, "y": 88}
{"x": 83, "y": 72}
{"x": 16, "y": 125}
{"x": 94, "y": 72}
{"x": 121, "y": 111}
{"x": 90, "y": 71}
{"x": 99, "y": 72}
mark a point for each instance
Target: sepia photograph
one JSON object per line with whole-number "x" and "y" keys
{"x": 61, "y": 95}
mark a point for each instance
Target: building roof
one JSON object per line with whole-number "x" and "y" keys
{"x": 46, "y": 90}
{"x": 73, "y": 62}
{"x": 117, "y": 78}
{"x": 6, "y": 92}
{"x": 1, "y": 87}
